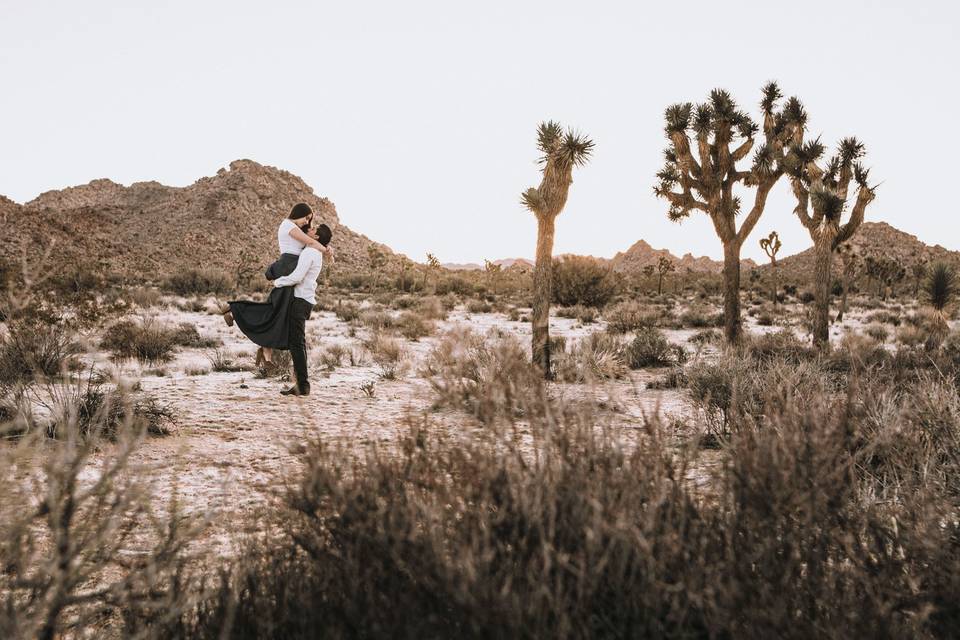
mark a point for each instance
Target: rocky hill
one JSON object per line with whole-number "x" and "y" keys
{"x": 876, "y": 239}
{"x": 641, "y": 254}
{"x": 506, "y": 263}
{"x": 148, "y": 230}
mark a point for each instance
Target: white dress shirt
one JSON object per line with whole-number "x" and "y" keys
{"x": 304, "y": 277}
{"x": 288, "y": 244}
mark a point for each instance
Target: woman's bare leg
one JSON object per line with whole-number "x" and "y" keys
{"x": 268, "y": 354}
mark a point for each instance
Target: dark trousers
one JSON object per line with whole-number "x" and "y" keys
{"x": 299, "y": 313}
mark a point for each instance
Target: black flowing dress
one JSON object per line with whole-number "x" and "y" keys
{"x": 266, "y": 323}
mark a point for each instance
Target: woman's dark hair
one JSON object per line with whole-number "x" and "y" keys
{"x": 300, "y": 210}
{"x": 324, "y": 234}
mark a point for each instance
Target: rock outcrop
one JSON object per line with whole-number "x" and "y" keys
{"x": 641, "y": 254}
{"x": 148, "y": 231}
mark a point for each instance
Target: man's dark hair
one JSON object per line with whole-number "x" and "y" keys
{"x": 324, "y": 234}
{"x": 300, "y": 210}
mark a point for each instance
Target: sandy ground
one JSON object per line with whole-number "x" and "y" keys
{"x": 237, "y": 440}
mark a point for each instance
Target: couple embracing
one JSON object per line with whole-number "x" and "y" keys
{"x": 280, "y": 322}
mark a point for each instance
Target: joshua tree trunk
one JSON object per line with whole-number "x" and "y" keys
{"x": 844, "y": 286}
{"x": 773, "y": 293}
{"x": 823, "y": 257}
{"x": 731, "y": 291}
{"x": 542, "y": 272}
{"x": 660, "y": 284}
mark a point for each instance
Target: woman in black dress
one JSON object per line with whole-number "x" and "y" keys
{"x": 266, "y": 323}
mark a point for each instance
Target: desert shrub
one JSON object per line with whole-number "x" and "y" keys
{"x": 97, "y": 412}
{"x": 377, "y": 319}
{"x": 586, "y": 315}
{"x": 706, "y": 336}
{"x": 413, "y": 326}
{"x": 34, "y": 348}
{"x": 490, "y": 377}
{"x": 676, "y": 378}
{"x": 332, "y": 356}
{"x": 736, "y": 390}
{"x": 877, "y": 331}
{"x": 145, "y": 297}
{"x": 432, "y": 308}
{"x": 765, "y": 319}
{"x": 147, "y": 341}
{"x": 582, "y": 281}
{"x": 186, "y": 335}
{"x": 347, "y": 311}
{"x": 388, "y": 354}
{"x": 599, "y": 356}
{"x": 199, "y": 282}
{"x": 77, "y": 280}
{"x": 700, "y": 317}
{"x": 405, "y": 302}
{"x": 780, "y": 345}
{"x": 223, "y": 361}
{"x": 453, "y": 284}
{"x": 883, "y": 317}
{"x": 479, "y": 306}
{"x": 629, "y": 315}
{"x": 650, "y": 348}
{"x": 86, "y": 548}
{"x": 806, "y": 297}
{"x": 513, "y": 315}
{"x": 856, "y": 353}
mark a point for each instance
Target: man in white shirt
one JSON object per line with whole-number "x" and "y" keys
{"x": 304, "y": 283}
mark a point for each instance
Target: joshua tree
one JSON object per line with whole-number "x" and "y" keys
{"x": 377, "y": 260}
{"x": 771, "y": 246}
{"x": 723, "y": 136}
{"x": 561, "y": 152}
{"x": 433, "y": 268}
{"x": 648, "y": 272}
{"x": 919, "y": 272}
{"x": 664, "y": 266}
{"x": 849, "y": 261}
{"x": 494, "y": 271}
{"x": 940, "y": 289}
{"x": 822, "y": 194}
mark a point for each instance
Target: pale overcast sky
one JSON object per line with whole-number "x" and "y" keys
{"x": 418, "y": 118}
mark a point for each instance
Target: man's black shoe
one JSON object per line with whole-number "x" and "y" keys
{"x": 296, "y": 391}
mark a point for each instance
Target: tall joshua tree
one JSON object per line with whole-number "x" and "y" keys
{"x": 919, "y": 271}
{"x": 433, "y": 269}
{"x": 648, "y": 271}
{"x": 822, "y": 196}
{"x": 560, "y": 153}
{"x": 721, "y": 135}
{"x": 664, "y": 266}
{"x": 771, "y": 246}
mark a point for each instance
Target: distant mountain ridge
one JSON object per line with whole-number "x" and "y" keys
{"x": 873, "y": 239}
{"x": 641, "y": 254}
{"x": 148, "y": 230}
{"x": 506, "y": 263}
